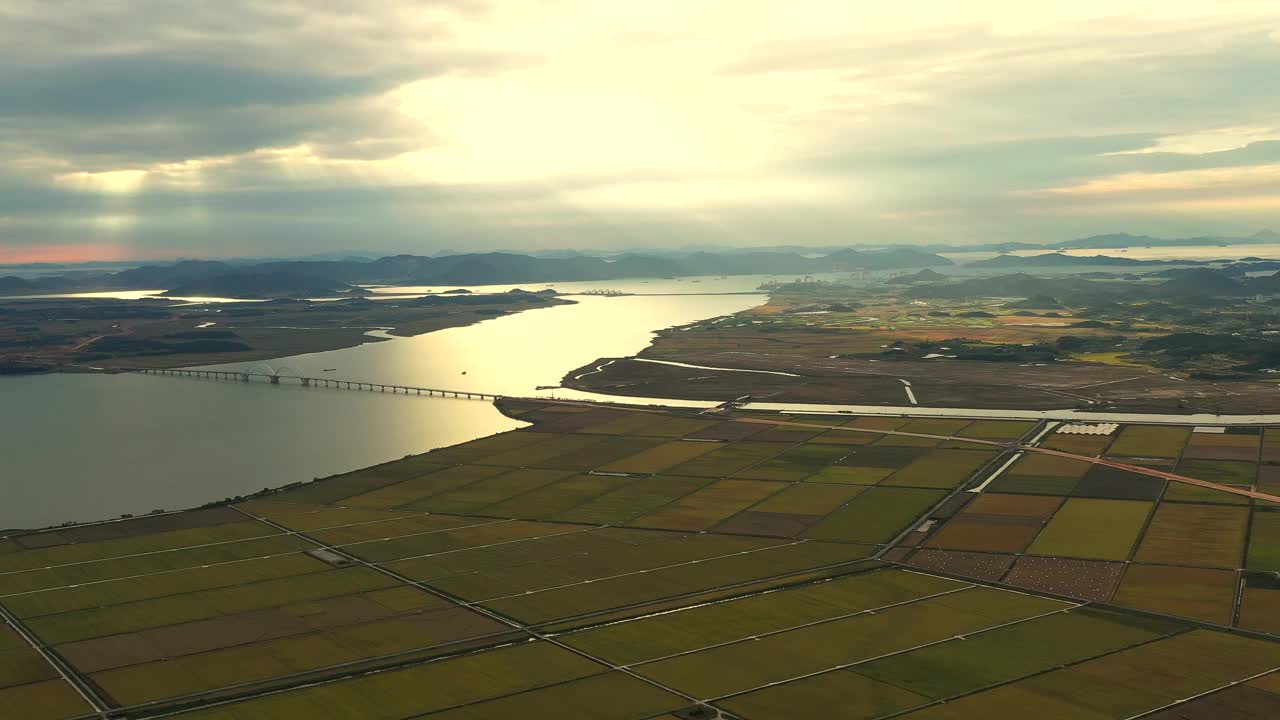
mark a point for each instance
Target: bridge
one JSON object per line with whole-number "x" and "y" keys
{"x": 276, "y": 375}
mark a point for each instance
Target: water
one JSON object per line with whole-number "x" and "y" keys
{"x": 81, "y": 447}
{"x": 513, "y": 355}
{"x": 90, "y": 447}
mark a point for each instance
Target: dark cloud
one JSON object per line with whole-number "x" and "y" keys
{"x": 157, "y": 86}
{"x": 944, "y": 134}
{"x": 127, "y": 83}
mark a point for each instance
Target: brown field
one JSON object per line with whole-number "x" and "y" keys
{"x": 989, "y": 533}
{"x": 729, "y": 431}
{"x": 850, "y": 474}
{"x": 1032, "y": 485}
{"x": 845, "y": 437}
{"x": 983, "y": 566}
{"x": 207, "y": 671}
{"x": 996, "y": 523}
{"x": 545, "y": 452}
{"x": 1224, "y": 446}
{"x": 855, "y": 696}
{"x": 940, "y": 469}
{"x": 1149, "y": 441}
{"x": 783, "y": 434}
{"x": 139, "y": 527}
{"x": 809, "y": 499}
{"x": 769, "y": 524}
{"x": 709, "y": 505}
{"x": 548, "y": 500}
{"x": 877, "y": 423}
{"x": 1041, "y": 465}
{"x": 725, "y": 460}
{"x": 876, "y": 515}
{"x": 1260, "y": 603}
{"x": 1186, "y": 592}
{"x": 406, "y": 492}
{"x": 935, "y": 426}
{"x": 1108, "y": 482}
{"x": 1120, "y": 685}
{"x": 624, "y": 424}
{"x": 1269, "y": 479}
{"x": 1083, "y": 579}
{"x": 1185, "y": 534}
{"x": 635, "y": 499}
{"x": 314, "y": 517}
{"x": 1237, "y": 702}
{"x": 608, "y": 449}
{"x": 1038, "y": 507}
{"x": 48, "y": 700}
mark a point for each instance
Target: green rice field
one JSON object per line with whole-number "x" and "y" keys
{"x": 612, "y": 564}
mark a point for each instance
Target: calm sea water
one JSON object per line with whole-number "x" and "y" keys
{"x": 81, "y": 447}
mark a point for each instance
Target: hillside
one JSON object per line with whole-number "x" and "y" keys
{"x": 260, "y": 285}
{"x": 1061, "y": 260}
{"x": 290, "y": 278}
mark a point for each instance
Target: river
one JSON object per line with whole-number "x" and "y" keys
{"x": 91, "y": 447}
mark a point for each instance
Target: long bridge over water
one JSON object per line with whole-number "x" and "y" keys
{"x": 276, "y": 375}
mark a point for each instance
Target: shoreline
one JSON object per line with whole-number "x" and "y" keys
{"x": 266, "y": 341}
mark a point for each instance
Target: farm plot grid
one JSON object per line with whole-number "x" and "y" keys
{"x": 611, "y": 564}
{"x": 1090, "y": 531}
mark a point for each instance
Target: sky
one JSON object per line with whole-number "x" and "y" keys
{"x": 157, "y": 129}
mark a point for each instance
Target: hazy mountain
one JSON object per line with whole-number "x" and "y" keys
{"x": 1201, "y": 282}
{"x": 925, "y": 275}
{"x": 1115, "y": 240}
{"x": 260, "y": 284}
{"x": 14, "y": 285}
{"x": 885, "y": 259}
{"x": 320, "y": 277}
{"x": 1061, "y": 260}
{"x": 167, "y": 276}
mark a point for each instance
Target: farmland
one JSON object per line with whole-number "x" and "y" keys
{"x": 970, "y": 341}
{"x": 608, "y": 563}
{"x": 1102, "y": 533}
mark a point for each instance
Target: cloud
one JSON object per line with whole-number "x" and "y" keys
{"x": 136, "y": 82}
{"x": 149, "y": 85}
{"x": 295, "y": 125}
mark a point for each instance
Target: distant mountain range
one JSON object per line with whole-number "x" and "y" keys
{"x": 262, "y": 284}
{"x": 1113, "y": 241}
{"x": 1125, "y": 240}
{"x": 325, "y": 277}
{"x": 1049, "y": 260}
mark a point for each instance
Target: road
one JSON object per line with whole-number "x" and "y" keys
{"x": 1088, "y": 416}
